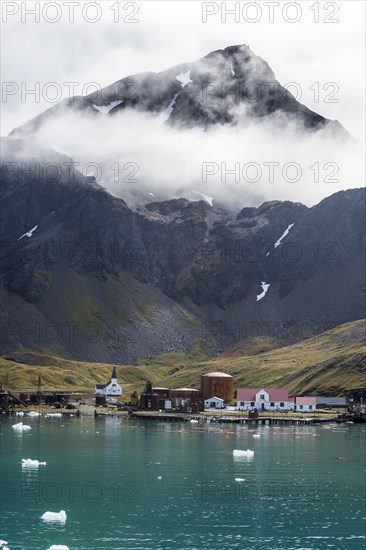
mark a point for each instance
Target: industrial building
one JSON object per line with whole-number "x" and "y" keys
{"x": 219, "y": 384}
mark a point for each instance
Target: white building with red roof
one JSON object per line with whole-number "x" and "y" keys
{"x": 305, "y": 404}
{"x": 264, "y": 399}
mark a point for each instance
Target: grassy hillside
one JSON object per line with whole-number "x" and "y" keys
{"x": 334, "y": 362}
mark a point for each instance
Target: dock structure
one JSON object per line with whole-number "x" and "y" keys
{"x": 261, "y": 420}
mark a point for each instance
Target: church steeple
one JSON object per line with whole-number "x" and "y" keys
{"x": 114, "y": 374}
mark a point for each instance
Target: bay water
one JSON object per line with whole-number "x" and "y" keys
{"x": 140, "y": 484}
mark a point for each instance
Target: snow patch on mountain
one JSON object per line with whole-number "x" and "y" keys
{"x": 232, "y": 70}
{"x": 165, "y": 115}
{"x": 106, "y": 108}
{"x": 29, "y": 233}
{"x": 277, "y": 243}
{"x": 184, "y": 78}
{"x": 284, "y": 234}
{"x": 265, "y": 287}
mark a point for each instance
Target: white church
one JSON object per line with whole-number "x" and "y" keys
{"x": 111, "y": 388}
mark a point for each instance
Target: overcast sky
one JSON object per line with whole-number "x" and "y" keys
{"x": 167, "y": 33}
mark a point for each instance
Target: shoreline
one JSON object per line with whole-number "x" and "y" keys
{"x": 232, "y": 417}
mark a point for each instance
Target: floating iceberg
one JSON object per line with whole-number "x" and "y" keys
{"x": 248, "y": 452}
{"x": 29, "y": 463}
{"x": 55, "y": 516}
{"x": 20, "y": 413}
{"x": 34, "y": 413}
{"x": 256, "y": 435}
{"x": 2, "y": 542}
{"x": 53, "y": 415}
{"x": 58, "y": 547}
{"x": 194, "y": 421}
{"x": 20, "y": 427}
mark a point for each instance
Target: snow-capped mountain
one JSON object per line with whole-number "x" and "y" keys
{"x": 229, "y": 86}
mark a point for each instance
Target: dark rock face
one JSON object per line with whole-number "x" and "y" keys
{"x": 101, "y": 282}
{"x": 229, "y": 86}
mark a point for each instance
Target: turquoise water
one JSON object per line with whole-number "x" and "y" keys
{"x": 303, "y": 489}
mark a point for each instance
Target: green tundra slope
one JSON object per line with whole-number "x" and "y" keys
{"x": 333, "y": 363}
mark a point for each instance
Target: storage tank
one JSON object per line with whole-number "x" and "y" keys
{"x": 217, "y": 384}
{"x": 162, "y": 393}
{"x": 185, "y": 393}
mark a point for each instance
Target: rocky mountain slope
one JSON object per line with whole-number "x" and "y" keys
{"x": 85, "y": 276}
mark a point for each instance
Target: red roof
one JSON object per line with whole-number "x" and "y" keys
{"x": 275, "y": 394}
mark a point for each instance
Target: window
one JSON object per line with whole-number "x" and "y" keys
{"x": 310, "y": 407}
{"x": 262, "y": 396}
{"x": 242, "y": 403}
{"x": 272, "y": 403}
{"x": 252, "y": 403}
{"x": 282, "y": 404}
{"x": 301, "y": 407}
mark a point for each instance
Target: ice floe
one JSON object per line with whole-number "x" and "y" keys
{"x": 184, "y": 78}
{"x": 33, "y": 413}
{"x": 28, "y": 233}
{"x": 20, "y": 427}
{"x": 29, "y": 463}
{"x": 265, "y": 287}
{"x": 194, "y": 421}
{"x": 106, "y": 108}
{"x": 256, "y": 435}
{"x": 55, "y": 516}
{"x": 165, "y": 115}
{"x": 53, "y": 415}
{"x": 58, "y": 547}
{"x": 248, "y": 452}
{"x": 20, "y": 413}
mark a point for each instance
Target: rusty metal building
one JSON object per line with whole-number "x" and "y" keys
{"x": 217, "y": 384}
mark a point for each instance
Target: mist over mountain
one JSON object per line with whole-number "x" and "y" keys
{"x": 169, "y": 209}
{"x": 222, "y": 127}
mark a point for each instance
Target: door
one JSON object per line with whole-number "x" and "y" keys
{"x": 262, "y": 406}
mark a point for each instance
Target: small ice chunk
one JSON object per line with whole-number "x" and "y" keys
{"x": 106, "y": 108}
{"x": 165, "y": 115}
{"x": 206, "y": 197}
{"x": 20, "y": 427}
{"x": 58, "y": 547}
{"x": 59, "y": 517}
{"x": 194, "y": 421}
{"x": 34, "y": 413}
{"x": 29, "y": 233}
{"x": 53, "y": 415}
{"x": 239, "y": 479}
{"x": 256, "y": 435}
{"x": 159, "y": 477}
{"x": 2, "y": 542}
{"x": 20, "y": 413}
{"x": 184, "y": 78}
{"x": 248, "y": 452}
{"x": 29, "y": 463}
{"x": 265, "y": 287}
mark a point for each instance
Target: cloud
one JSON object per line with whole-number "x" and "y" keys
{"x": 133, "y": 154}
